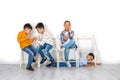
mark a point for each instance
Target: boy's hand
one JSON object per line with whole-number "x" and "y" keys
{"x": 27, "y": 37}
{"x": 34, "y": 38}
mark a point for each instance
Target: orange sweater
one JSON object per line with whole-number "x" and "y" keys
{"x": 23, "y": 40}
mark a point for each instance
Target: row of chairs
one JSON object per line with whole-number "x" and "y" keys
{"x": 74, "y": 55}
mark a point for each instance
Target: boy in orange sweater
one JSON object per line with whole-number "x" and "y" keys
{"x": 25, "y": 44}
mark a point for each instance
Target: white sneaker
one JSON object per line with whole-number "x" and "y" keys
{"x": 68, "y": 63}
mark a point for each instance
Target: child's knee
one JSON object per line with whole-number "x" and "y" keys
{"x": 46, "y": 51}
{"x": 40, "y": 47}
{"x": 31, "y": 54}
{"x": 67, "y": 50}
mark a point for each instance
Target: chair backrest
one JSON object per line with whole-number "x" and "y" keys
{"x": 85, "y": 44}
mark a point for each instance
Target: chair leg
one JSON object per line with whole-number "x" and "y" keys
{"x": 58, "y": 59}
{"x": 22, "y": 59}
{"x": 57, "y": 64}
{"x": 95, "y": 61}
{"x": 38, "y": 62}
{"x": 77, "y": 61}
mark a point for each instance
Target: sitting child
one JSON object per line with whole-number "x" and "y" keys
{"x": 67, "y": 41}
{"x": 25, "y": 44}
{"x": 45, "y": 42}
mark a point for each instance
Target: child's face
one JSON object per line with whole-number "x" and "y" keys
{"x": 89, "y": 58}
{"x": 27, "y": 30}
{"x": 67, "y": 26}
{"x": 40, "y": 30}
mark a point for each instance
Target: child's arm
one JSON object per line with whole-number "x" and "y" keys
{"x": 88, "y": 65}
{"x": 21, "y": 38}
{"x": 93, "y": 63}
{"x": 40, "y": 42}
{"x": 62, "y": 38}
{"x": 71, "y": 34}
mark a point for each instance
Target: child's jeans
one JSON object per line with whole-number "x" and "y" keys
{"x": 46, "y": 48}
{"x": 32, "y": 52}
{"x": 68, "y": 46}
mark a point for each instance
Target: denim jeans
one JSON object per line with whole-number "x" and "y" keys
{"x": 32, "y": 52}
{"x": 68, "y": 46}
{"x": 46, "y": 48}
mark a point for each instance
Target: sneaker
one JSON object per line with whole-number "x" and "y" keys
{"x": 29, "y": 68}
{"x": 51, "y": 64}
{"x": 68, "y": 63}
{"x": 61, "y": 46}
{"x": 43, "y": 60}
{"x": 34, "y": 60}
{"x": 76, "y": 47}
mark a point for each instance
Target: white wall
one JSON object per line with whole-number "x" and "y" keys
{"x": 99, "y": 17}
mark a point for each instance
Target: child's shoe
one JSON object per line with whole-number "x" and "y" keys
{"x": 34, "y": 60}
{"x": 29, "y": 68}
{"x": 76, "y": 47}
{"x": 61, "y": 46}
{"x": 43, "y": 60}
{"x": 51, "y": 64}
{"x": 68, "y": 63}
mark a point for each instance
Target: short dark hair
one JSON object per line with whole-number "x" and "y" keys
{"x": 27, "y": 25}
{"x": 67, "y": 21}
{"x": 91, "y": 54}
{"x": 40, "y": 25}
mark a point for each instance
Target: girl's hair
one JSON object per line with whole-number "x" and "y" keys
{"x": 67, "y": 21}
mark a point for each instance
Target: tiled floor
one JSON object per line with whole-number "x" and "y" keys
{"x": 102, "y": 72}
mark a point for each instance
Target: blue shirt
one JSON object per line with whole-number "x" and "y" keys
{"x": 83, "y": 61}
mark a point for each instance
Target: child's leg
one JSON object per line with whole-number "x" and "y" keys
{"x": 66, "y": 54}
{"x": 47, "y": 49}
{"x": 33, "y": 50}
{"x": 42, "y": 54}
{"x": 67, "y": 47}
{"x": 40, "y": 51}
{"x": 31, "y": 55}
{"x": 69, "y": 44}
